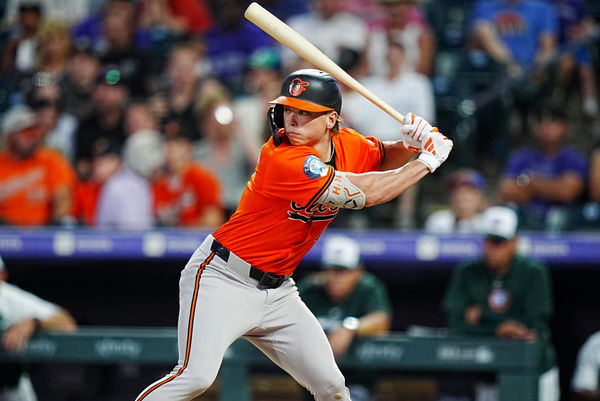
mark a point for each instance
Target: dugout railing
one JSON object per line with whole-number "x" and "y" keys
{"x": 515, "y": 364}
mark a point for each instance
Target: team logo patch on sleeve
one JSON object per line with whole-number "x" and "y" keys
{"x": 314, "y": 167}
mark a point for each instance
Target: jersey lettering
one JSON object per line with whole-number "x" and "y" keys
{"x": 315, "y": 212}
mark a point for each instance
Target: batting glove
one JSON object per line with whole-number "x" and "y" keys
{"x": 435, "y": 150}
{"x": 414, "y": 131}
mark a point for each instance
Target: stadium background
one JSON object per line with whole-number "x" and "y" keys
{"x": 143, "y": 292}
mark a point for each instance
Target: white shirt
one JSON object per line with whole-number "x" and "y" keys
{"x": 444, "y": 222}
{"x": 587, "y": 369}
{"x": 343, "y": 30}
{"x": 17, "y": 305}
{"x": 408, "y": 92}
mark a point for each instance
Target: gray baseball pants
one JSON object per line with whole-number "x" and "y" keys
{"x": 219, "y": 303}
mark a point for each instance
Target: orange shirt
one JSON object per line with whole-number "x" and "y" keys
{"x": 86, "y": 197}
{"x": 185, "y": 198}
{"x": 277, "y": 221}
{"x": 27, "y": 187}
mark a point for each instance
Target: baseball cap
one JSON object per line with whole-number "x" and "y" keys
{"x": 265, "y": 58}
{"x": 500, "y": 222}
{"x": 18, "y": 118}
{"x": 341, "y": 252}
{"x": 310, "y": 90}
{"x": 467, "y": 177}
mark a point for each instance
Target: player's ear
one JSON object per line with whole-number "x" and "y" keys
{"x": 332, "y": 118}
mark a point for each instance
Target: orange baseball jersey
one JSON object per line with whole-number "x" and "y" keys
{"x": 186, "y": 198}
{"x": 27, "y": 187}
{"x": 278, "y": 220}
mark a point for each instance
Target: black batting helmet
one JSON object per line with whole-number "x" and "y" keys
{"x": 310, "y": 90}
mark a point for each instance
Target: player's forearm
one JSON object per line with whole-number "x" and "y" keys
{"x": 396, "y": 155}
{"x": 383, "y": 186}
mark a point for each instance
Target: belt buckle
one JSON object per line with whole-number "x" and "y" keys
{"x": 270, "y": 280}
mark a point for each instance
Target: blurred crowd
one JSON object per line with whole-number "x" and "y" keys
{"x": 132, "y": 114}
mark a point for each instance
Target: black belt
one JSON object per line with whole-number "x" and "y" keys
{"x": 265, "y": 279}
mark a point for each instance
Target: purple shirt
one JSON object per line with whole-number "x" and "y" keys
{"x": 533, "y": 162}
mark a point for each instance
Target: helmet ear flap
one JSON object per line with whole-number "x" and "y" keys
{"x": 275, "y": 117}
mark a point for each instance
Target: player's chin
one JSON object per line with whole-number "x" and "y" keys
{"x": 295, "y": 138}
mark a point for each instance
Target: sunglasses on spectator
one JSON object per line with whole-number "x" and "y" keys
{"x": 43, "y": 103}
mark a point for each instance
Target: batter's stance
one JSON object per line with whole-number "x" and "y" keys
{"x": 237, "y": 283}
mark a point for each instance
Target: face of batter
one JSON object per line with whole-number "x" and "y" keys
{"x": 308, "y": 127}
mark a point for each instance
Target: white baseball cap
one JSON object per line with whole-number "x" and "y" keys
{"x": 500, "y": 222}
{"x": 341, "y": 252}
{"x": 18, "y": 118}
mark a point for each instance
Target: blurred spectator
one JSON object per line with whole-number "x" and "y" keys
{"x": 285, "y": 9}
{"x": 175, "y": 103}
{"x": 348, "y": 302}
{"x": 139, "y": 118}
{"x": 175, "y": 17}
{"x": 22, "y": 315}
{"x": 264, "y": 83}
{"x": 505, "y": 294}
{"x": 125, "y": 201}
{"x": 401, "y": 87}
{"x": 576, "y": 27}
{"x": 549, "y": 175}
{"x": 594, "y": 180}
{"x": 467, "y": 203}
{"x": 405, "y": 23}
{"x": 585, "y": 383}
{"x": 106, "y": 162}
{"x": 65, "y": 11}
{"x": 231, "y": 41}
{"x": 58, "y": 127}
{"x": 36, "y": 183}
{"x": 54, "y": 49}
{"x": 339, "y": 35}
{"x": 224, "y": 149}
{"x": 186, "y": 194}
{"x": 107, "y": 121}
{"x": 80, "y": 81}
{"x": 521, "y": 34}
{"x": 114, "y": 35}
{"x": 20, "y": 53}
{"x": 169, "y": 22}
{"x": 521, "y": 37}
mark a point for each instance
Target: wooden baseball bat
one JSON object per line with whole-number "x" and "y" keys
{"x": 302, "y": 47}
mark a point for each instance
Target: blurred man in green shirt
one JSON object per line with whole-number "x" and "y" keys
{"x": 348, "y": 302}
{"x": 505, "y": 294}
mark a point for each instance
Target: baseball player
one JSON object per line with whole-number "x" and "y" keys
{"x": 238, "y": 282}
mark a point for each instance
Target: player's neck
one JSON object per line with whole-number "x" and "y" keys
{"x": 325, "y": 149}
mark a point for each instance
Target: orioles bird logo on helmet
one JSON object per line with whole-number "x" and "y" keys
{"x": 297, "y": 86}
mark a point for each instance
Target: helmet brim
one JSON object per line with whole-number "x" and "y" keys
{"x": 299, "y": 104}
